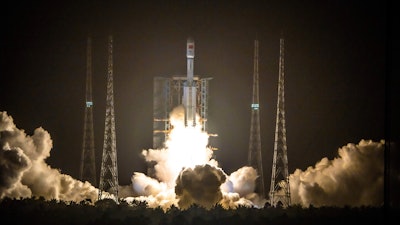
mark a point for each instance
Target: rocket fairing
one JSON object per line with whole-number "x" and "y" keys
{"x": 190, "y": 57}
{"x": 189, "y": 89}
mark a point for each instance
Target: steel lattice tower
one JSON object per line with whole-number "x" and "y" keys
{"x": 254, "y": 157}
{"x": 88, "y": 165}
{"x": 109, "y": 170}
{"x": 280, "y": 188}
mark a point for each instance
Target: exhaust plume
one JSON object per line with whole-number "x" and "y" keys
{"x": 186, "y": 174}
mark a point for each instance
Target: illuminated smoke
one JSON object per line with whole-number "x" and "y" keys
{"x": 354, "y": 178}
{"x": 24, "y": 172}
{"x": 200, "y": 185}
{"x": 186, "y": 174}
{"x": 12, "y": 165}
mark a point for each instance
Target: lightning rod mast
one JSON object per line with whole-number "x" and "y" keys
{"x": 254, "y": 154}
{"x": 279, "y": 193}
{"x": 109, "y": 170}
{"x": 88, "y": 165}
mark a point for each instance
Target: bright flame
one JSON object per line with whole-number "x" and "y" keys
{"x": 187, "y": 148}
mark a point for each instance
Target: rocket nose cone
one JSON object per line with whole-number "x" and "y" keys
{"x": 190, "y": 40}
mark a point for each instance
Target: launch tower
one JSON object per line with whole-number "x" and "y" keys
{"x": 169, "y": 92}
{"x": 88, "y": 166}
{"x": 109, "y": 170}
{"x": 279, "y": 193}
{"x": 254, "y": 156}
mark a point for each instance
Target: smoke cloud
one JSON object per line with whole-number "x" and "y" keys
{"x": 354, "y": 178}
{"x": 185, "y": 174}
{"x": 24, "y": 172}
{"x": 13, "y": 162}
{"x": 200, "y": 186}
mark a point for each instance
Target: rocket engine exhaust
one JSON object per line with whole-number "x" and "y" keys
{"x": 189, "y": 89}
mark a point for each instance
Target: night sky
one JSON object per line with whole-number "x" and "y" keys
{"x": 335, "y": 73}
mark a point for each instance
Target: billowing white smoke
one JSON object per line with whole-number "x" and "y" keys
{"x": 186, "y": 174}
{"x": 24, "y": 172}
{"x": 354, "y": 178}
{"x": 239, "y": 189}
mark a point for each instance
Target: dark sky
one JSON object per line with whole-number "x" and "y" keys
{"x": 335, "y": 70}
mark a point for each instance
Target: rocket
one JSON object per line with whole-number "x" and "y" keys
{"x": 189, "y": 88}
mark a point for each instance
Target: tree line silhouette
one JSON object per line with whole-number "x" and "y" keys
{"x": 104, "y": 212}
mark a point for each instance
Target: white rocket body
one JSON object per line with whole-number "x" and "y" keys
{"x": 189, "y": 89}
